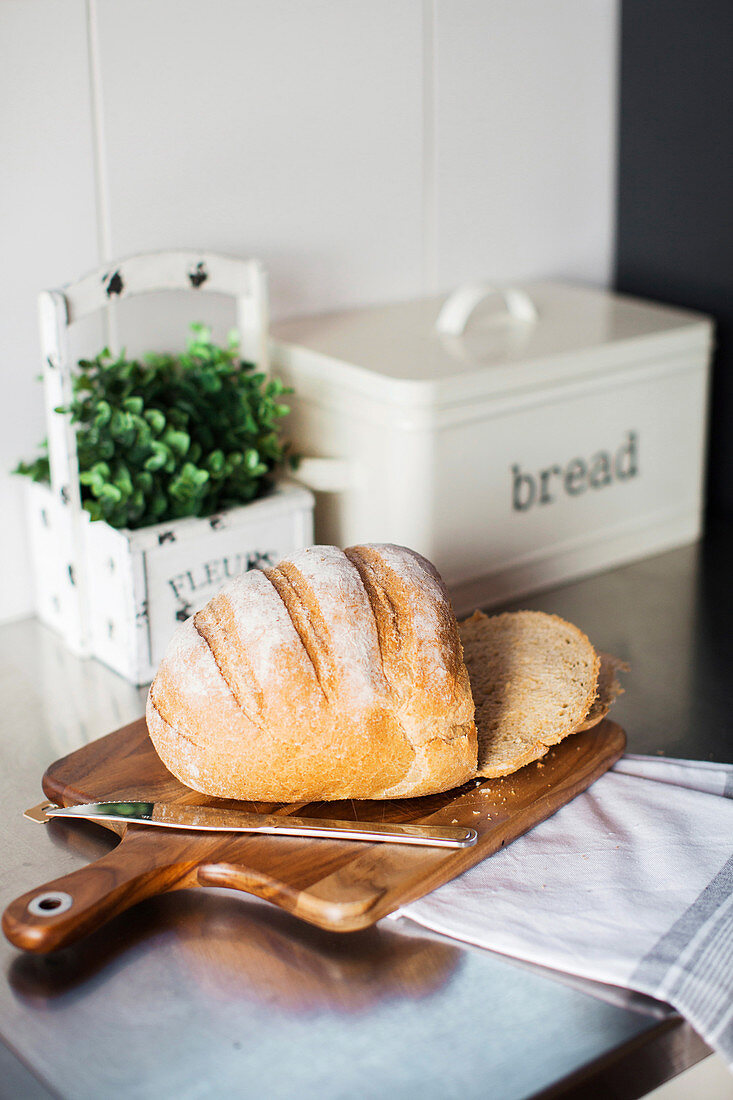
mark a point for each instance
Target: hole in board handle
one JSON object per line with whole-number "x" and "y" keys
{"x": 50, "y": 903}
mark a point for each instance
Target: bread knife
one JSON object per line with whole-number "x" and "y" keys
{"x": 214, "y": 819}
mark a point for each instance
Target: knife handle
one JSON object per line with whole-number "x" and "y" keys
{"x": 64, "y": 910}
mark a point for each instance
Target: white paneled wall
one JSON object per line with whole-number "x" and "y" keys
{"x": 294, "y": 126}
{"x": 48, "y": 230}
{"x": 524, "y": 153}
{"x": 366, "y": 150}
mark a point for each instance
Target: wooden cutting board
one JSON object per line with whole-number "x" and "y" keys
{"x": 340, "y": 885}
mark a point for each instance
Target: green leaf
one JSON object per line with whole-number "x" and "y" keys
{"x": 158, "y": 505}
{"x": 38, "y": 470}
{"x": 215, "y": 462}
{"x": 158, "y": 458}
{"x": 94, "y": 508}
{"x": 177, "y": 441}
{"x": 156, "y": 420}
{"x": 201, "y": 334}
{"x": 110, "y": 493}
{"x": 144, "y": 481}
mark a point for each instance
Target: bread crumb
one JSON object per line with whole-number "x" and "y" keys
{"x": 476, "y": 812}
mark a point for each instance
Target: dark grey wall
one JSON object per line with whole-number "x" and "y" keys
{"x": 675, "y": 182}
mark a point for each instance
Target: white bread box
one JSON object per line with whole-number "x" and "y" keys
{"x": 516, "y": 437}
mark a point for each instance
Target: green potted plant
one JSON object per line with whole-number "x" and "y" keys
{"x": 172, "y": 436}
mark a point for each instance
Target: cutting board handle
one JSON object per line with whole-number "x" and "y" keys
{"x": 65, "y": 910}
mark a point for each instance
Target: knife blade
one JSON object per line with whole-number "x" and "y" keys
{"x": 214, "y": 819}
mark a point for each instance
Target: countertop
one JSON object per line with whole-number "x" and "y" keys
{"x": 201, "y": 993}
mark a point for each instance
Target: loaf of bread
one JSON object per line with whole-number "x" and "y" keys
{"x": 534, "y": 679}
{"x": 336, "y": 674}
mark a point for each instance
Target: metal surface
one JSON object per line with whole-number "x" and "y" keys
{"x": 214, "y": 819}
{"x": 196, "y": 994}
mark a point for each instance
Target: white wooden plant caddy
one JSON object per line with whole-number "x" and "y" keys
{"x": 118, "y": 594}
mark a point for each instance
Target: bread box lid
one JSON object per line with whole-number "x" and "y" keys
{"x": 482, "y": 341}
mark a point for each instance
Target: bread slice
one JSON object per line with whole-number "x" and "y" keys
{"x": 533, "y": 679}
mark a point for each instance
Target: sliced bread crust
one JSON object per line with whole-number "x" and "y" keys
{"x": 533, "y": 679}
{"x": 608, "y": 689}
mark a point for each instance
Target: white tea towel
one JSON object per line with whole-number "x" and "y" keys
{"x": 631, "y": 884}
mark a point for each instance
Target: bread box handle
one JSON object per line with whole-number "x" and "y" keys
{"x": 458, "y": 306}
